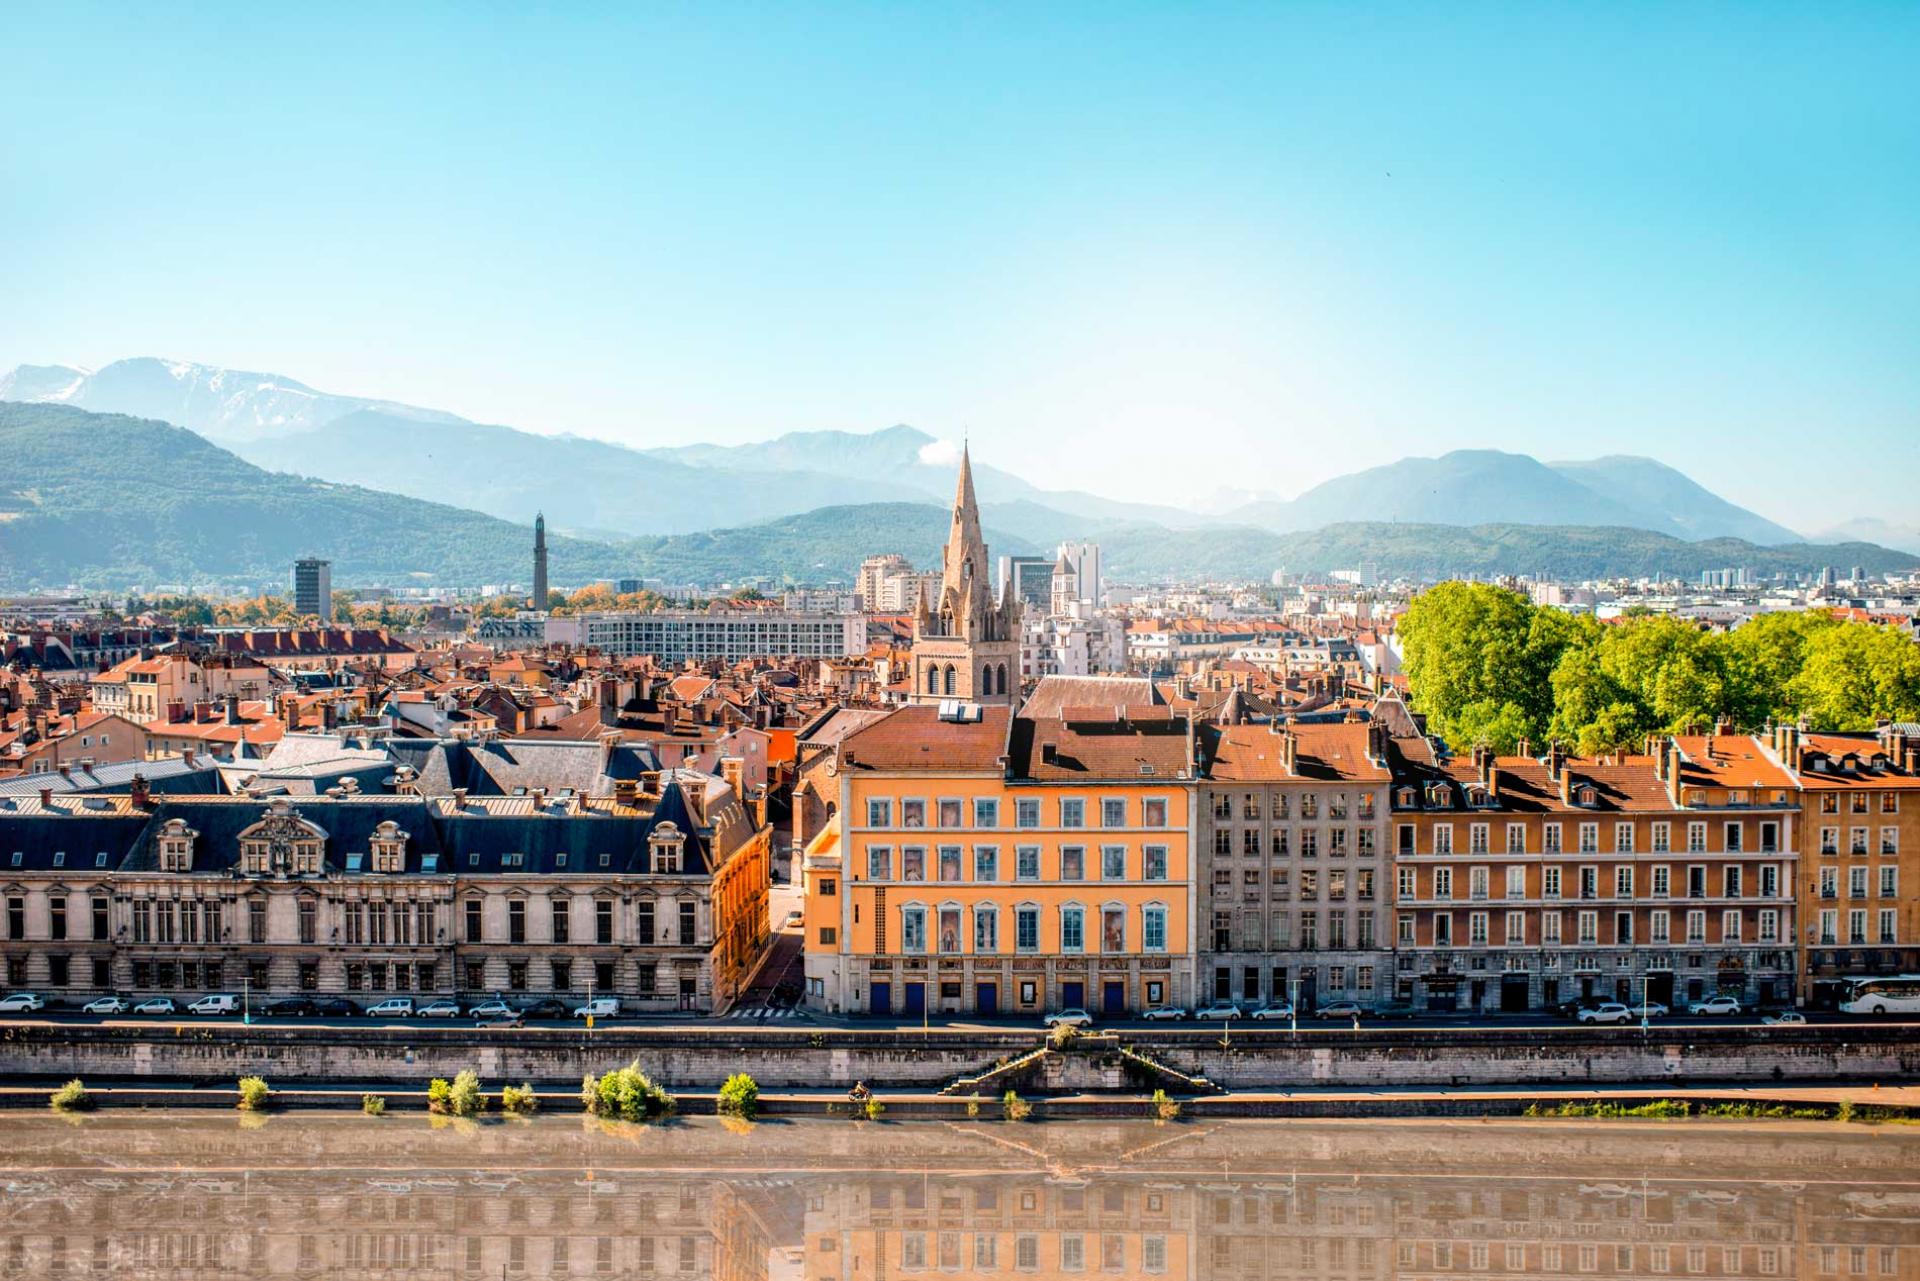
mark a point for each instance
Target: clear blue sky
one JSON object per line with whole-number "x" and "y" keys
{"x": 1147, "y": 249}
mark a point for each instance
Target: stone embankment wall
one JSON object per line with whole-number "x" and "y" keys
{"x": 800, "y": 1059}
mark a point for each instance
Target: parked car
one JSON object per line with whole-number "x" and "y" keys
{"x": 1716, "y": 1005}
{"x": 291, "y": 1007}
{"x": 600, "y": 1007}
{"x": 394, "y": 1007}
{"x": 495, "y": 1009}
{"x": 336, "y": 1007}
{"x": 793, "y": 919}
{"x": 1164, "y": 1012}
{"x": 1395, "y": 1010}
{"x": 217, "y": 1003}
{"x": 105, "y": 1005}
{"x": 157, "y": 1005}
{"x": 1785, "y": 1018}
{"x": 546, "y": 1007}
{"x": 1218, "y": 1010}
{"x": 1571, "y": 1009}
{"x": 21, "y": 1003}
{"x": 1652, "y": 1009}
{"x": 1606, "y": 1012}
{"x": 1279, "y": 1010}
{"x": 1340, "y": 1010}
{"x": 1074, "y": 1017}
{"x": 441, "y": 1009}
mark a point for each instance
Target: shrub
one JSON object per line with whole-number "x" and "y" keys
{"x": 373, "y": 1104}
{"x": 253, "y": 1094}
{"x": 72, "y": 1097}
{"x": 625, "y": 1094}
{"x": 973, "y": 1106}
{"x": 1016, "y": 1108}
{"x": 740, "y": 1096}
{"x": 1845, "y": 1111}
{"x": 437, "y": 1091}
{"x": 1164, "y": 1107}
{"x": 519, "y": 1099}
{"x": 874, "y": 1108}
{"x": 1063, "y": 1035}
{"x": 464, "y": 1097}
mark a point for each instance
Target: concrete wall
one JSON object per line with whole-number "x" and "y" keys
{"x": 837, "y": 1058}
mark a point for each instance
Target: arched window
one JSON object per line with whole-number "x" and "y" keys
{"x": 986, "y": 928}
{"x": 949, "y": 689}
{"x": 1001, "y": 680}
{"x": 986, "y": 680}
{"x": 913, "y": 928}
{"x": 933, "y": 679}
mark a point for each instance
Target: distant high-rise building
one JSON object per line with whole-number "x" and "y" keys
{"x": 868, "y": 586}
{"x": 1085, "y": 558}
{"x": 313, "y": 588}
{"x": 1032, "y": 578}
{"x": 539, "y": 560}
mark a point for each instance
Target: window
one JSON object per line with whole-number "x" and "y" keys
{"x": 986, "y": 812}
{"x": 1696, "y": 838}
{"x": 690, "y": 922}
{"x": 603, "y": 921}
{"x": 473, "y": 920}
{"x": 1443, "y": 882}
{"x": 1730, "y": 925}
{"x": 309, "y": 919}
{"x": 1550, "y": 838}
{"x": 1516, "y": 838}
{"x": 643, "y": 921}
{"x": 1026, "y": 862}
{"x": 1026, "y": 928}
{"x": 1073, "y": 863}
{"x": 1888, "y": 925}
{"x": 986, "y": 863}
{"x": 913, "y": 813}
{"x": 913, "y": 863}
{"x": 1477, "y": 878}
{"x": 101, "y": 910}
{"x": 1660, "y": 925}
{"x": 1026, "y": 812}
{"x": 1153, "y": 933}
{"x": 1073, "y": 812}
{"x": 986, "y": 928}
{"x": 1589, "y": 838}
{"x": 1662, "y": 880}
{"x": 1153, "y": 811}
{"x": 1696, "y": 926}
{"x": 1113, "y": 862}
{"x": 1589, "y": 923}
{"x": 1735, "y": 837}
{"x": 879, "y": 812}
{"x": 516, "y": 921}
{"x": 1113, "y": 929}
{"x": 950, "y": 810}
{"x": 879, "y": 863}
{"x": 1889, "y": 883}
{"x": 1073, "y": 929}
{"x": 949, "y": 862}
{"x": 1550, "y": 927}
{"x": 1154, "y": 863}
{"x": 1623, "y": 882}
{"x": 1623, "y": 838}
{"x": 949, "y": 928}
{"x": 1662, "y": 838}
{"x": 1442, "y": 838}
{"x": 561, "y": 911}
{"x": 1549, "y": 882}
{"x": 1113, "y": 812}
{"x": 1516, "y": 882}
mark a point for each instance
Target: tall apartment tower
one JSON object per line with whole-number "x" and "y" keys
{"x": 967, "y": 646}
{"x": 539, "y": 560}
{"x": 313, "y": 588}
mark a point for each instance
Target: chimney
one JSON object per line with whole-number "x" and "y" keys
{"x": 1482, "y": 760}
{"x": 539, "y": 796}
{"x": 231, "y": 709}
{"x": 626, "y": 790}
{"x": 459, "y": 798}
{"x": 1376, "y": 742}
{"x": 46, "y": 798}
{"x": 186, "y": 755}
{"x": 65, "y": 770}
{"x": 137, "y": 793}
{"x": 669, "y": 716}
{"x": 1524, "y": 748}
{"x": 1289, "y": 751}
{"x": 1556, "y": 761}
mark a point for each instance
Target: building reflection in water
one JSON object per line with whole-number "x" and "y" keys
{"x": 197, "y": 1196}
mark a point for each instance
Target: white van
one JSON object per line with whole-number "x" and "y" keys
{"x": 600, "y": 1007}
{"x": 217, "y": 1003}
{"x": 394, "y": 1007}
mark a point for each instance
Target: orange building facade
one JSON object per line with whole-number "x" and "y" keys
{"x": 979, "y": 863}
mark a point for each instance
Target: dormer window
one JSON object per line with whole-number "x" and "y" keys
{"x": 1586, "y": 795}
{"x": 388, "y": 848}
{"x": 282, "y": 844}
{"x": 1408, "y": 798}
{"x": 668, "y": 846}
{"x": 176, "y": 845}
{"x": 1437, "y": 795}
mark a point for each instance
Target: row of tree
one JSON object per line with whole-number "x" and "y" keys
{"x": 1488, "y": 666}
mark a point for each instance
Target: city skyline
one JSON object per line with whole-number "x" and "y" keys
{"x": 1317, "y": 240}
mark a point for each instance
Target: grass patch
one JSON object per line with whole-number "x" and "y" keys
{"x": 1163, "y": 1106}
{"x": 373, "y": 1104}
{"x": 519, "y": 1100}
{"x": 71, "y": 1097}
{"x": 739, "y": 1096}
{"x": 254, "y": 1094}
{"x": 625, "y": 1094}
{"x": 1015, "y": 1107}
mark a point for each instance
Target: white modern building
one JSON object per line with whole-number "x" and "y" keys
{"x": 675, "y": 636}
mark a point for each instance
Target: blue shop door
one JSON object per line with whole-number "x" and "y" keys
{"x": 1073, "y": 996}
{"x": 880, "y": 999}
{"x": 1113, "y": 998}
{"x": 916, "y": 995}
{"x": 986, "y": 999}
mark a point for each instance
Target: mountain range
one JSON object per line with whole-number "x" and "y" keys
{"x": 593, "y": 487}
{"x": 368, "y": 482}
{"x": 106, "y": 500}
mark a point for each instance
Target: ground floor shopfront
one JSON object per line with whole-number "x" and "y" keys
{"x": 916, "y": 986}
{"x": 1507, "y": 983}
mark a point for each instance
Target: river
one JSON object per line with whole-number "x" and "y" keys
{"x": 207, "y": 1195}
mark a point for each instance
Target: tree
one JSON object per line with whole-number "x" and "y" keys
{"x": 1480, "y": 660}
{"x": 1854, "y": 674}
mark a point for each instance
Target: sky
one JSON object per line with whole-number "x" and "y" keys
{"x": 1149, "y": 250}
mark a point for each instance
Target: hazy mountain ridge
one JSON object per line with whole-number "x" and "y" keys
{"x": 107, "y": 500}
{"x": 587, "y": 484}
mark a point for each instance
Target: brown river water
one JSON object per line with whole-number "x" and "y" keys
{"x": 137, "y": 1195}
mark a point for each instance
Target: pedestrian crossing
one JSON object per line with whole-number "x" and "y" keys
{"x": 767, "y": 1014}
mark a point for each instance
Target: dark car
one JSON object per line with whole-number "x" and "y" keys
{"x": 291, "y": 1007}
{"x": 336, "y": 1007}
{"x": 1571, "y": 1009}
{"x": 1394, "y": 1010}
{"x": 545, "y": 1008}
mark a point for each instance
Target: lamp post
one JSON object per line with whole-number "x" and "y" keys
{"x": 246, "y": 999}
